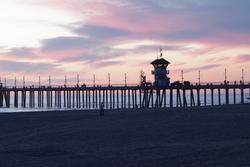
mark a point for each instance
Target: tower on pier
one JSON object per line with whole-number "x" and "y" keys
{"x": 160, "y": 71}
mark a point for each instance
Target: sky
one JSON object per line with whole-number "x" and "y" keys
{"x": 61, "y": 38}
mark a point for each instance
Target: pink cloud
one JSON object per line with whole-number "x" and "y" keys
{"x": 124, "y": 17}
{"x": 57, "y": 55}
{"x": 242, "y": 58}
{"x": 143, "y": 23}
{"x": 132, "y": 20}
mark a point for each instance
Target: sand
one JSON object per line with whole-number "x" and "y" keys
{"x": 212, "y": 136}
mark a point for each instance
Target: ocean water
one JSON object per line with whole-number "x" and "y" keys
{"x": 109, "y": 105}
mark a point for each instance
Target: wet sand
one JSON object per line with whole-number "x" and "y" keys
{"x": 211, "y": 136}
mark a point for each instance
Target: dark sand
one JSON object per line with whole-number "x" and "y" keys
{"x": 214, "y": 136}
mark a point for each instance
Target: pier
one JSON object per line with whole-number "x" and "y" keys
{"x": 121, "y": 97}
{"x": 159, "y": 94}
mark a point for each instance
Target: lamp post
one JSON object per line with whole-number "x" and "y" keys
{"x": 182, "y": 76}
{"x": 49, "y": 81}
{"x": 78, "y": 80}
{"x": 109, "y": 79}
{"x": 125, "y": 79}
{"x": 94, "y": 80}
{"x": 39, "y": 82}
{"x": 199, "y": 77}
{"x": 23, "y": 81}
{"x": 15, "y": 82}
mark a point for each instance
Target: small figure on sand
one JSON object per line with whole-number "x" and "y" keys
{"x": 102, "y": 109}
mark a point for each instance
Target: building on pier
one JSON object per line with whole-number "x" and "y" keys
{"x": 160, "y": 71}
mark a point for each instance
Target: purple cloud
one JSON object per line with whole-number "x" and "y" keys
{"x": 108, "y": 63}
{"x": 13, "y": 66}
{"x": 206, "y": 67}
{"x": 243, "y": 58}
{"x": 67, "y": 43}
{"x": 100, "y": 32}
{"x": 21, "y": 52}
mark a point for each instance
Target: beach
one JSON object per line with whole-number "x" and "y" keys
{"x": 199, "y": 136}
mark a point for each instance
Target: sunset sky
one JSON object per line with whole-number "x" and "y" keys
{"x": 86, "y": 37}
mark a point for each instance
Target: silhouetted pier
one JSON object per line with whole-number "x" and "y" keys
{"x": 85, "y": 97}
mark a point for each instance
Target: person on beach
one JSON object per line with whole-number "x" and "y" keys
{"x": 102, "y": 109}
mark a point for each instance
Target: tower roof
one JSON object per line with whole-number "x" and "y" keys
{"x": 160, "y": 61}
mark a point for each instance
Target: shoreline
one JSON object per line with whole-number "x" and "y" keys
{"x": 167, "y": 109}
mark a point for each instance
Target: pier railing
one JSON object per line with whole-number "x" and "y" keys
{"x": 121, "y": 85}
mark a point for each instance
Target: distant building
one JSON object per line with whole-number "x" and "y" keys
{"x": 160, "y": 72}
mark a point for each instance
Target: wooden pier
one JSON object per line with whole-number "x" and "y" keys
{"x": 82, "y": 97}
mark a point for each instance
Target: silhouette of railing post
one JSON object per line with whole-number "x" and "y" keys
{"x": 219, "y": 96}
{"x": 171, "y": 98}
{"x": 242, "y": 94}
{"x": 198, "y": 97}
{"x": 15, "y": 99}
{"x": 23, "y": 97}
{"x": 205, "y": 97}
{"x": 184, "y": 98}
{"x": 7, "y": 98}
{"x": 212, "y": 96}
{"x": 117, "y": 99}
{"x": 1, "y": 99}
{"x": 192, "y": 101}
{"x": 178, "y": 99}
{"x": 151, "y": 99}
{"x": 227, "y": 94}
{"x": 128, "y": 98}
{"x": 234, "y": 94}
{"x": 125, "y": 99}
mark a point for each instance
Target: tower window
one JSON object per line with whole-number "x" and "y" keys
{"x": 160, "y": 65}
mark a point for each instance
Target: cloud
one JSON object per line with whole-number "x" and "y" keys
{"x": 80, "y": 58}
{"x": 98, "y": 55}
{"x": 206, "y": 67}
{"x": 108, "y": 63}
{"x": 154, "y": 48}
{"x": 206, "y": 21}
{"x": 220, "y": 59}
{"x": 206, "y": 28}
{"x": 100, "y": 32}
{"x": 66, "y": 43}
{"x": 21, "y": 52}
{"x": 242, "y": 58}
{"x": 12, "y": 66}
{"x": 188, "y": 35}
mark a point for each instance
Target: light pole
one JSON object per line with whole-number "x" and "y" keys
{"x": 23, "y": 81}
{"x": 39, "y": 82}
{"x": 199, "y": 77}
{"x": 15, "y": 82}
{"x": 5, "y": 82}
{"x": 182, "y": 76}
{"x": 109, "y": 79}
{"x": 225, "y": 75}
{"x": 242, "y": 76}
{"x": 65, "y": 80}
{"x": 94, "y": 80}
{"x": 78, "y": 80}
{"x": 49, "y": 81}
{"x": 125, "y": 80}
